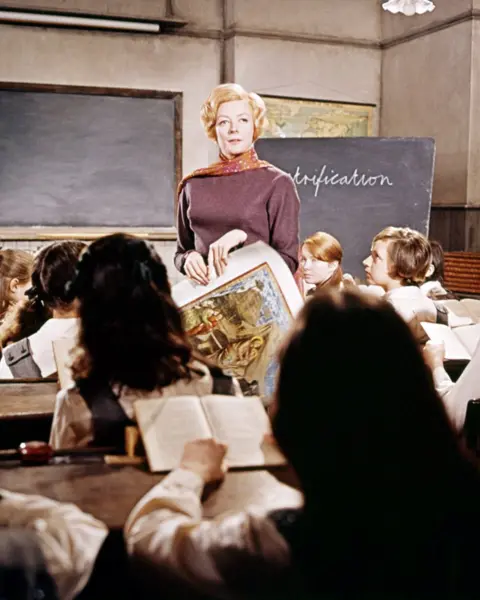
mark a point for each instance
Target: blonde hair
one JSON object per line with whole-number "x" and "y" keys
{"x": 409, "y": 252}
{"x": 324, "y": 246}
{"x": 229, "y": 92}
{"x": 14, "y": 264}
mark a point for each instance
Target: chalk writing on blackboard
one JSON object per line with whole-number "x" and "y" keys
{"x": 334, "y": 178}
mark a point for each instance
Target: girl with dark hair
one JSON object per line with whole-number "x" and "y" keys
{"x": 433, "y": 287}
{"x": 390, "y": 503}
{"x": 45, "y": 316}
{"x": 15, "y": 274}
{"x": 131, "y": 345}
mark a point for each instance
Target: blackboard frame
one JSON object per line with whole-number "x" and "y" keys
{"x": 91, "y": 233}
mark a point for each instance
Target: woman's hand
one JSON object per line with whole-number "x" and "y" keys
{"x": 195, "y": 268}
{"x": 205, "y": 458}
{"x": 218, "y": 252}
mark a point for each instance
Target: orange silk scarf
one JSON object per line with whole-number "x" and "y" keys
{"x": 244, "y": 162}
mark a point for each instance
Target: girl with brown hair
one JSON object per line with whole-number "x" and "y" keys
{"x": 131, "y": 345}
{"x": 390, "y": 502}
{"x": 15, "y": 275}
{"x": 321, "y": 262}
{"x": 46, "y": 315}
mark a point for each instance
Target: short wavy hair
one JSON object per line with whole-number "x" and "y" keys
{"x": 409, "y": 252}
{"x": 229, "y": 92}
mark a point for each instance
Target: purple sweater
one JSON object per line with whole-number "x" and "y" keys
{"x": 262, "y": 202}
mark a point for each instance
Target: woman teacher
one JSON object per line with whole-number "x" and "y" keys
{"x": 238, "y": 200}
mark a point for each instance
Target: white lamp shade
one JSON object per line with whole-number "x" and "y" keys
{"x": 409, "y": 7}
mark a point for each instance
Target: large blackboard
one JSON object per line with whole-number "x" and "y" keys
{"x": 354, "y": 187}
{"x": 88, "y": 157}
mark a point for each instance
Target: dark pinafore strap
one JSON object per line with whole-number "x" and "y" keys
{"x": 221, "y": 383}
{"x": 108, "y": 417}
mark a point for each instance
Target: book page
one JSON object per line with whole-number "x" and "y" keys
{"x": 166, "y": 425}
{"x": 473, "y": 307}
{"x": 469, "y": 336}
{"x": 465, "y": 389}
{"x": 241, "y": 422}
{"x": 458, "y": 313}
{"x": 454, "y": 349}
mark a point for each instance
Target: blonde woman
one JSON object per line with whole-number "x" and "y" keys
{"x": 238, "y": 200}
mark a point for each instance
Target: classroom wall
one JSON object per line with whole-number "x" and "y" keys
{"x": 302, "y": 48}
{"x": 419, "y": 100}
{"x": 421, "y": 72}
{"x": 430, "y": 88}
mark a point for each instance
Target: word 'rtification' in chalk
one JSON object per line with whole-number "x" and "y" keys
{"x": 334, "y": 178}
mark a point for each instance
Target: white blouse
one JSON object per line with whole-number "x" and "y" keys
{"x": 41, "y": 345}
{"x": 69, "y": 538}
{"x": 167, "y": 530}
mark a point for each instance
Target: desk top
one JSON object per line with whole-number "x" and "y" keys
{"x": 27, "y": 400}
{"x": 109, "y": 493}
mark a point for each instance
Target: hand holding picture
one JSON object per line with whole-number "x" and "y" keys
{"x": 196, "y": 269}
{"x": 218, "y": 253}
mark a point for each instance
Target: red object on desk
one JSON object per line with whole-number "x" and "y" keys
{"x": 35, "y": 453}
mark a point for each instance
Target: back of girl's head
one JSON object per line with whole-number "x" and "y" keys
{"x": 14, "y": 264}
{"x": 327, "y": 248}
{"x": 385, "y": 483}
{"x": 438, "y": 265}
{"x": 365, "y": 405}
{"x": 131, "y": 330}
{"x": 53, "y": 267}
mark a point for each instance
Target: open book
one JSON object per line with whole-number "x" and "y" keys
{"x": 467, "y": 308}
{"x": 166, "y": 424}
{"x": 466, "y": 388}
{"x": 460, "y": 343}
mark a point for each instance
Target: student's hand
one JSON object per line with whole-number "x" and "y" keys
{"x": 195, "y": 268}
{"x": 348, "y": 279}
{"x": 434, "y": 355}
{"x": 218, "y": 252}
{"x": 205, "y": 458}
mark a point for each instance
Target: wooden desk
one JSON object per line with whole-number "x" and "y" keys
{"x": 27, "y": 400}
{"x": 109, "y": 493}
{"x": 26, "y": 411}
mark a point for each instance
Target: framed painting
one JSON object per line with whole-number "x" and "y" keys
{"x": 297, "y": 117}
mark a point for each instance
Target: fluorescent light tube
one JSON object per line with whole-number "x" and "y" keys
{"x": 28, "y": 18}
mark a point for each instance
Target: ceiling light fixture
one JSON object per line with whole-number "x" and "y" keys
{"x": 409, "y": 7}
{"x": 89, "y": 21}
